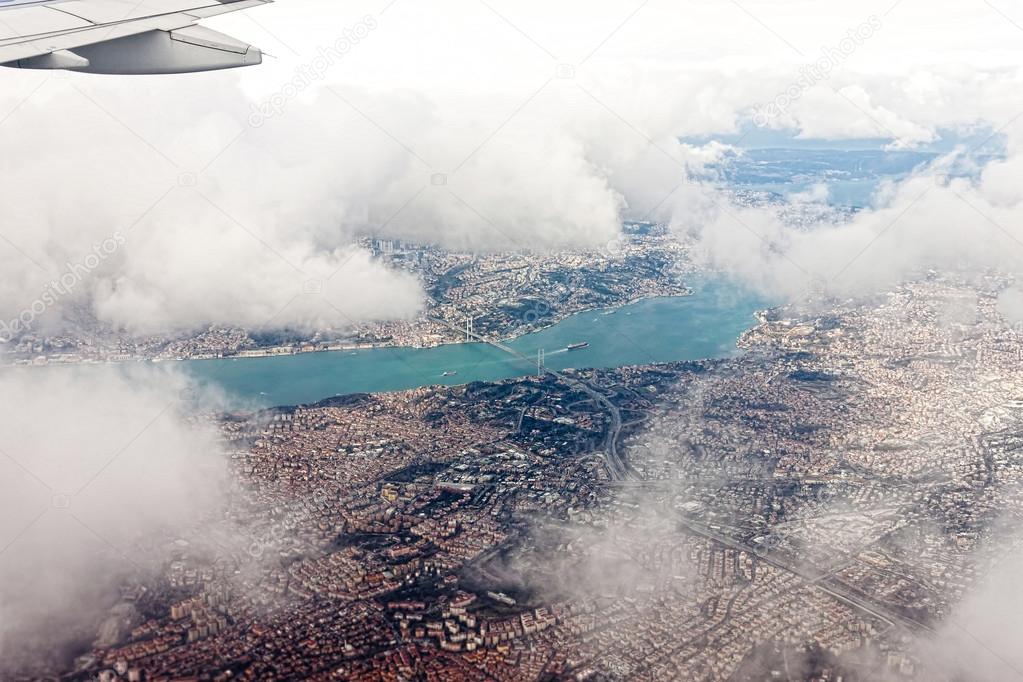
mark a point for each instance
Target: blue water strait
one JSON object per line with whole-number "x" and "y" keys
{"x": 705, "y": 325}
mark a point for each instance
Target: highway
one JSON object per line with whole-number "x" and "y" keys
{"x": 813, "y": 577}
{"x": 616, "y": 464}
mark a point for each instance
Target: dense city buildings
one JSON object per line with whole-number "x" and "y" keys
{"x": 813, "y": 509}
{"x": 496, "y": 296}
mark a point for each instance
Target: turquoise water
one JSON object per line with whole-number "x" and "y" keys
{"x": 705, "y": 325}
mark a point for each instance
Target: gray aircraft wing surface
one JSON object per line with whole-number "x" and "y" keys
{"x": 121, "y": 36}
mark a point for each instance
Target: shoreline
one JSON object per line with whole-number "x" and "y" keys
{"x": 258, "y": 355}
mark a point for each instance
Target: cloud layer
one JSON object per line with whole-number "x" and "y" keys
{"x": 92, "y": 462}
{"x": 465, "y": 124}
{"x": 926, "y": 222}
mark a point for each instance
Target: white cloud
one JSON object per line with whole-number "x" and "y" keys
{"x": 452, "y": 89}
{"x": 980, "y": 639}
{"x": 93, "y": 461}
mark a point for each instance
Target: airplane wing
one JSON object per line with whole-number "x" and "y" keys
{"x": 121, "y": 36}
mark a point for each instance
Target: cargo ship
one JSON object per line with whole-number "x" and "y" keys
{"x": 577, "y": 346}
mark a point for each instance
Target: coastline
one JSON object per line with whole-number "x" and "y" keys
{"x": 279, "y": 351}
{"x": 706, "y": 324}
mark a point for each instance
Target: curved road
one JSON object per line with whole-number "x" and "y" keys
{"x": 616, "y": 464}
